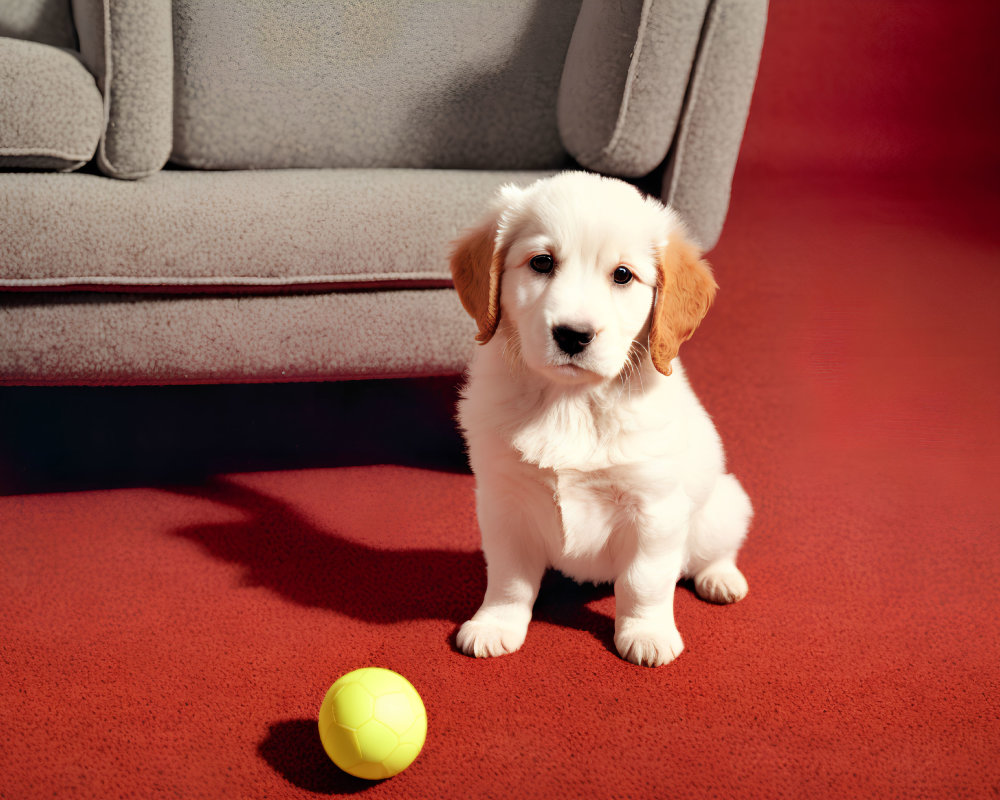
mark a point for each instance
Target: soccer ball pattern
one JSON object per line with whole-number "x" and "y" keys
{"x": 372, "y": 723}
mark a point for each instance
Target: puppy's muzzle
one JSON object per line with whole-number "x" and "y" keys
{"x": 572, "y": 340}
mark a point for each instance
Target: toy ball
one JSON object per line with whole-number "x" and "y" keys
{"x": 372, "y": 723}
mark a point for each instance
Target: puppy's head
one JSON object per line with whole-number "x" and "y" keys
{"x": 585, "y": 274}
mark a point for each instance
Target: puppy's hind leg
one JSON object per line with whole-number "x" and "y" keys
{"x": 721, "y": 582}
{"x": 717, "y": 531}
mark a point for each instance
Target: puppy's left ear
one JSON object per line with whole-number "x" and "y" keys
{"x": 685, "y": 289}
{"x": 475, "y": 270}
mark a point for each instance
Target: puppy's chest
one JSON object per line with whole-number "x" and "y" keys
{"x": 570, "y": 438}
{"x": 595, "y": 521}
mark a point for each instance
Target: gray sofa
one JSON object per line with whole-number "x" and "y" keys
{"x": 265, "y": 191}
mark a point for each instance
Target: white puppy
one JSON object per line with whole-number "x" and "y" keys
{"x": 591, "y": 452}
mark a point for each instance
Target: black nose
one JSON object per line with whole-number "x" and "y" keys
{"x": 571, "y": 340}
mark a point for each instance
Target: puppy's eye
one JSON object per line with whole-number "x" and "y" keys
{"x": 621, "y": 275}
{"x": 542, "y": 263}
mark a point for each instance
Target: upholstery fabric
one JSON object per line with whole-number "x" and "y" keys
{"x": 700, "y": 172}
{"x": 188, "y": 230}
{"x": 44, "y": 21}
{"x": 619, "y": 106}
{"x": 128, "y": 45}
{"x": 95, "y": 338}
{"x": 168, "y": 279}
{"x": 50, "y": 109}
{"x": 449, "y": 84}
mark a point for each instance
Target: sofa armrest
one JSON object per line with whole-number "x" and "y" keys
{"x": 664, "y": 83}
{"x": 624, "y": 80}
{"x": 128, "y": 45}
{"x": 700, "y": 168}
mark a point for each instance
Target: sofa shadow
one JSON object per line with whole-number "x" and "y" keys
{"x": 71, "y": 438}
{"x": 292, "y": 748}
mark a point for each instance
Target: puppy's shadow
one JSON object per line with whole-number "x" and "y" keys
{"x": 279, "y": 549}
{"x": 566, "y": 603}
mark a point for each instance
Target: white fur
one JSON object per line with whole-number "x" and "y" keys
{"x": 596, "y": 463}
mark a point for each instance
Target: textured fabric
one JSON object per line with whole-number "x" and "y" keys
{"x": 618, "y": 104}
{"x": 262, "y": 231}
{"x": 248, "y": 229}
{"x": 50, "y": 109}
{"x": 703, "y": 160}
{"x": 358, "y": 84}
{"x": 148, "y": 339}
{"x": 128, "y": 45}
{"x": 45, "y": 21}
{"x": 183, "y": 638}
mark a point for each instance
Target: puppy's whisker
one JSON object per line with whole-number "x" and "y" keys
{"x": 625, "y": 376}
{"x": 632, "y": 369}
{"x": 511, "y": 353}
{"x": 635, "y": 365}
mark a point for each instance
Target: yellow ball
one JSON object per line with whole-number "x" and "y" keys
{"x": 372, "y": 723}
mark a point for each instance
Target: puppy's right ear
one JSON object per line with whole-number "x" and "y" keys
{"x": 476, "y": 265}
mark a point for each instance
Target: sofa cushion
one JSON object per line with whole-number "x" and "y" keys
{"x": 51, "y": 112}
{"x": 448, "y": 84}
{"x": 250, "y": 231}
{"x": 700, "y": 172}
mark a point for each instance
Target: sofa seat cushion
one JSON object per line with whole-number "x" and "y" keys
{"x": 51, "y": 111}
{"x": 246, "y": 232}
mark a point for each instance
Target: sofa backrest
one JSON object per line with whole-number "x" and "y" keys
{"x": 398, "y": 83}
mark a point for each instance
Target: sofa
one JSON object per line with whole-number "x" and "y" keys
{"x": 205, "y": 193}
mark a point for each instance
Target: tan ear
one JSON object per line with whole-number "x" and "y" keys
{"x": 475, "y": 269}
{"x": 685, "y": 289}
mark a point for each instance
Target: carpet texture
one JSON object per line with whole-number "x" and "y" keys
{"x": 175, "y": 638}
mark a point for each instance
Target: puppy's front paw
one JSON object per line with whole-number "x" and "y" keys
{"x": 482, "y": 638}
{"x": 647, "y": 644}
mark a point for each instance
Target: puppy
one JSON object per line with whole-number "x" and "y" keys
{"x": 590, "y": 450}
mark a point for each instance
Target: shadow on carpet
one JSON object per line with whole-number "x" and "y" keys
{"x": 282, "y": 551}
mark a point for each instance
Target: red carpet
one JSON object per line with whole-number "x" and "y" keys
{"x": 175, "y": 638}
